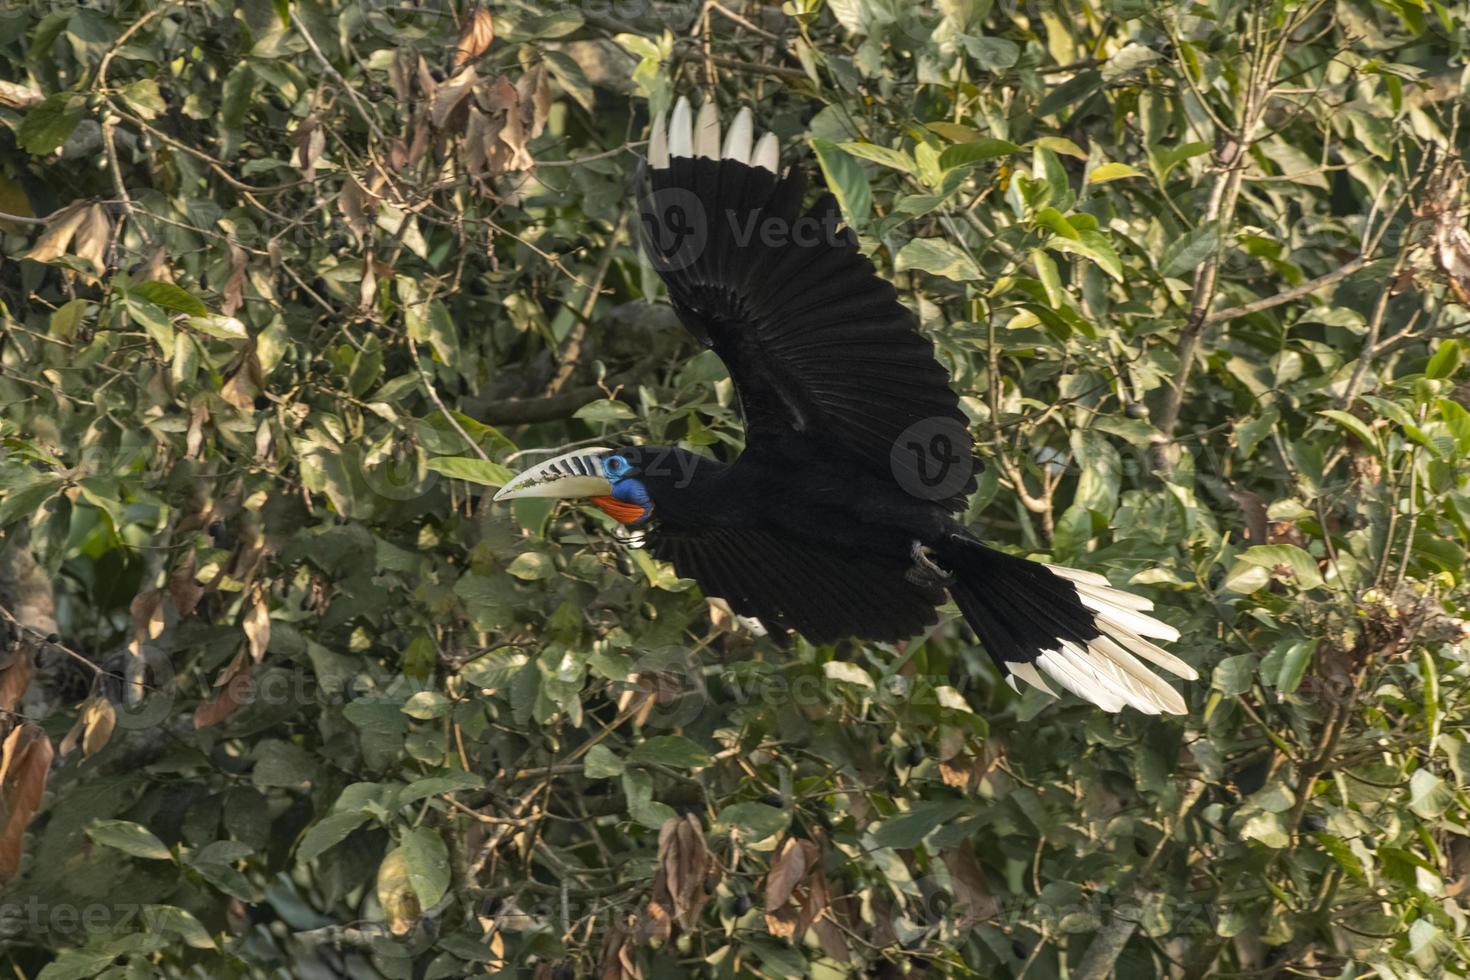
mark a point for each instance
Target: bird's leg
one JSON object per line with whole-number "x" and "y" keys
{"x": 926, "y": 570}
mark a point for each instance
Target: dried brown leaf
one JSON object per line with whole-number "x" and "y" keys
{"x": 474, "y": 37}
{"x": 25, "y": 763}
{"x": 99, "y": 718}
{"x": 311, "y": 141}
{"x": 787, "y": 871}
{"x": 60, "y": 228}
{"x": 183, "y": 587}
{"x": 450, "y": 95}
{"x": 257, "y": 626}
{"x": 93, "y": 236}
{"x": 972, "y": 890}
{"x": 15, "y": 677}
{"x": 234, "y": 292}
{"x": 233, "y": 683}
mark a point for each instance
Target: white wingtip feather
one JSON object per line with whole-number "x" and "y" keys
{"x": 681, "y": 137}
{"x": 707, "y": 132}
{"x": 658, "y": 142}
{"x": 767, "y": 153}
{"x": 1029, "y": 674}
{"x": 738, "y": 139}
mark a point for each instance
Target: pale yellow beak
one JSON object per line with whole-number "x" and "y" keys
{"x": 571, "y": 475}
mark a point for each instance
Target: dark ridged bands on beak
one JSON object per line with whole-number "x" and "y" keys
{"x": 571, "y": 475}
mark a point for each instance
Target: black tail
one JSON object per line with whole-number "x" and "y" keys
{"x": 1071, "y": 626}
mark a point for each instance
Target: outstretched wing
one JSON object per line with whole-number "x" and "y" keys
{"x": 815, "y": 341}
{"x": 824, "y": 594}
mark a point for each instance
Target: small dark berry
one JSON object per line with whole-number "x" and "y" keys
{"x": 1017, "y": 950}
{"x": 773, "y": 799}
{"x": 262, "y": 403}
{"x": 916, "y": 754}
{"x": 216, "y": 528}
{"x": 740, "y": 905}
{"x": 1370, "y": 843}
{"x": 1140, "y": 848}
{"x": 53, "y": 638}
{"x": 1313, "y": 824}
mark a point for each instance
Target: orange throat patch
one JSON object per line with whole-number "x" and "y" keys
{"x": 621, "y": 511}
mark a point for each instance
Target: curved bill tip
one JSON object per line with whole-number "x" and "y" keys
{"x": 570, "y": 475}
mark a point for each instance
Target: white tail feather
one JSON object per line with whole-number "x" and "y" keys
{"x": 681, "y": 136}
{"x": 658, "y": 142}
{"x": 767, "y": 153}
{"x": 707, "y": 132}
{"x": 738, "y": 139}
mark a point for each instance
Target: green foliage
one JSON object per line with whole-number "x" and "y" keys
{"x": 309, "y": 276}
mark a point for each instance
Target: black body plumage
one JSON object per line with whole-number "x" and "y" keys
{"x": 838, "y": 518}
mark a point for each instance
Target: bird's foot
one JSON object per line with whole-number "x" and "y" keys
{"x": 926, "y": 570}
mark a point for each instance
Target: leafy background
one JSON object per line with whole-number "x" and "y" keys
{"x": 287, "y": 285}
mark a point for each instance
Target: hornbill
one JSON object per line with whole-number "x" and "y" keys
{"x": 838, "y": 518}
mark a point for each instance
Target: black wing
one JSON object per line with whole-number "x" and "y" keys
{"x": 815, "y": 341}
{"x": 824, "y": 594}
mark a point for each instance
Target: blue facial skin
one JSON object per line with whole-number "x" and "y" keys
{"x": 625, "y": 486}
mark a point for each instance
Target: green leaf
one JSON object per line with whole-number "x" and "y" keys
{"x": 1298, "y": 563}
{"x": 455, "y": 781}
{"x": 471, "y": 470}
{"x": 1357, "y": 427}
{"x": 1234, "y": 675}
{"x": 1093, "y": 245}
{"x": 992, "y": 53}
{"x": 1112, "y": 171}
{"x": 1445, "y": 361}
{"x": 602, "y": 763}
{"x": 674, "y": 751}
{"x": 1429, "y": 796}
{"x": 1187, "y": 253}
{"x": 895, "y": 159}
{"x": 328, "y": 831}
{"x": 531, "y": 566}
{"x": 48, "y": 125}
{"x": 130, "y": 838}
{"x": 908, "y": 830}
{"x": 754, "y": 821}
{"x": 176, "y": 921}
{"x": 76, "y": 964}
{"x": 1294, "y": 665}
{"x": 938, "y": 257}
{"x": 604, "y": 410}
{"x": 170, "y": 297}
{"x": 426, "y": 860}
{"x": 143, "y": 97}
{"x": 977, "y": 151}
{"x": 846, "y": 179}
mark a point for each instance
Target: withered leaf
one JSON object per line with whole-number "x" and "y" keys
{"x": 474, "y": 37}
{"x": 93, "y": 236}
{"x": 450, "y": 94}
{"x": 233, "y": 683}
{"x": 257, "y": 625}
{"x": 60, "y": 227}
{"x": 15, "y": 677}
{"x": 25, "y": 764}
{"x": 234, "y": 292}
{"x": 972, "y": 890}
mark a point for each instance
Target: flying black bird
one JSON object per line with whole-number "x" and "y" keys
{"x": 838, "y": 518}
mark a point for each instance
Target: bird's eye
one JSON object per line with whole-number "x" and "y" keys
{"x": 616, "y": 467}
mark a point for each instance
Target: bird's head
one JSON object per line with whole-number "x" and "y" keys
{"x": 612, "y": 479}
